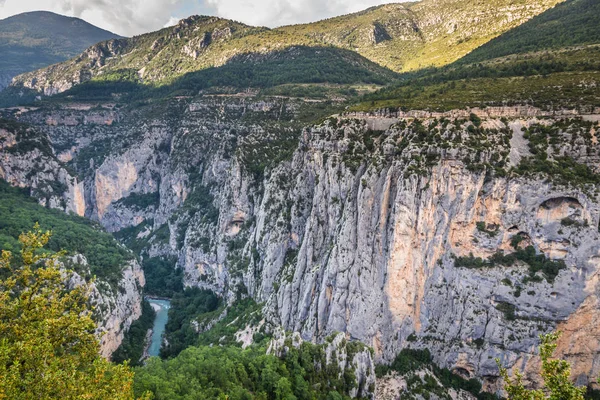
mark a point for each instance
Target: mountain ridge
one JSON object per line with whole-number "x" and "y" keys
{"x": 412, "y": 37}
{"x": 36, "y": 39}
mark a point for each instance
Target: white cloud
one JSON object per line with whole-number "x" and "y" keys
{"x": 131, "y": 17}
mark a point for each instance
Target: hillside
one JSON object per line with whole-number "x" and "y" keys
{"x": 411, "y": 36}
{"x": 44, "y": 191}
{"x": 34, "y": 40}
{"x": 572, "y": 23}
{"x": 396, "y": 36}
{"x": 374, "y": 206}
{"x": 551, "y": 61}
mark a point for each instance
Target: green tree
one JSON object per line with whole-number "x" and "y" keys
{"x": 48, "y": 349}
{"x": 555, "y": 373}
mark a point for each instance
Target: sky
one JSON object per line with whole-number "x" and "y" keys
{"x": 133, "y": 17}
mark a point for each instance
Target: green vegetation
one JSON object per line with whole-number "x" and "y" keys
{"x": 562, "y": 169}
{"x": 37, "y": 39}
{"x": 48, "y": 348}
{"x": 207, "y": 52}
{"x": 409, "y": 361}
{"x": 195, "y": 309}
{"x": 296, "y": 65}
{"x": 536, "y": 262}
{"x": 258, "y": 154}
{"x": 27, "y": 139}
{"x": 570, "y": 23}
{"x": 235, "y": 374}
{"x": 556, "y": 374}
{"x": 185, "y": 308}
{"x": 482, "y": 227}
{"x": 74, "y": 234}
{"x": 162, "y": 278}
{"x": 239, "y": 315}
{"x": 140, "y": 201}
{"x": 566, "y": 89}
{"x": 200, "y": 200}
{"x": 132, "y": 346}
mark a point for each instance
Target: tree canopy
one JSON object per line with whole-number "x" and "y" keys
{"x": 48, "y": 349}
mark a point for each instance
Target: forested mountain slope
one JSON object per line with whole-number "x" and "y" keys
{"x": 27, "y": 160}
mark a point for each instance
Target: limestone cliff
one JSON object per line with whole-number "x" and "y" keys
{"x": 391, "y": 236}
{"x": 114, "y": 312}
{"x": 27, "y": 160}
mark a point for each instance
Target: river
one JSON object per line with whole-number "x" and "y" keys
{"x": 162, "y": 315}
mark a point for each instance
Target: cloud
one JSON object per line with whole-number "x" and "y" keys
{"x": 132, "y": 17}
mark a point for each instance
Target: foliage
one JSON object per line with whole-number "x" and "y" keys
{"x": 204, "y": 52}
{"x": 570, "y": 23}
{"x": 74, "y": 234}
{"x": 185, "y": 307}
{"x": 239, "y": 314}
{"x": 200, "y": 200}
{"x": 411, "y": 360}
{"x": 528, "y": 255}
{"x": 233, "y": 373}
{"x": 27, "y": 140}
{"x": 141, "y": 201}
{"x": 296, "y": 65}
{"x": 47, "y": 348}
{"x": 134, "y": 341}
{"x": 163, "y": 279}
{"x": 573, "y": 89}
{"x": 555, "y": 373}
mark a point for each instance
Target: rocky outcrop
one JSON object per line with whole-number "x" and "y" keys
{"x": 373, "y": 233}
{"x": 423, "y": 382}
{"x": 26, "y": 160}
{"x": 345, "y": 358}
{"x": 115, "y": 310}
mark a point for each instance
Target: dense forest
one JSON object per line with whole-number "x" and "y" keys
{"x": 76, "y": 235}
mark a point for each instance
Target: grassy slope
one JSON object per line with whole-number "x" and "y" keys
{"x": 572, "y": 23}
{"x": 550, "y": 61}
{"x": 411, "y": 36}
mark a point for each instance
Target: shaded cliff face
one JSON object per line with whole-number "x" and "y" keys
{"x": 390, "y": 236}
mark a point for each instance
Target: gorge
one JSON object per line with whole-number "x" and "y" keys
{"x": 447, "y": 215}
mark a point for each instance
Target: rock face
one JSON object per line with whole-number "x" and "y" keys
{"x": 115, "y": 311}
{"x": 28, "y": 161}
{"x": 340, "y": 228}
{"x": 394, "y": 386}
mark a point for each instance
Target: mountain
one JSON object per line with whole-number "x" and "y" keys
{"x": 34, "y": 40}
{"x": 551, "y": 61}
{"x": 397, "y": 36}
{"x": 415, "y": 35}
{"x": 568, "y": 24}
